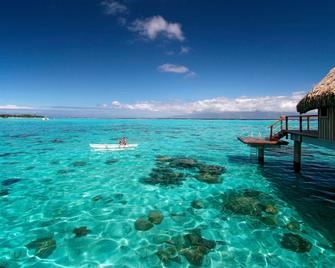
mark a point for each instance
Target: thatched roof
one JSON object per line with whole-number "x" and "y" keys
{"x": 322, "y": 95}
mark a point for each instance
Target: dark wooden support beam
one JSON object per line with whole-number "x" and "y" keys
{"x": 308, "y": 123}
{"x": 297, "y": 156}
{"x": 260, "y": 152}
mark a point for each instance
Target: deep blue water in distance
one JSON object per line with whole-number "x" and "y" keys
{"x": 52, "y": 183}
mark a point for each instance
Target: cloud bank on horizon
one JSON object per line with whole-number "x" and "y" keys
{"x": 181, "y": 108}
{"x": 14, "y": 107}
{"x": 216, "y": 105}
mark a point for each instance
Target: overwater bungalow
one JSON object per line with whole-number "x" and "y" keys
{"x": 317, "y": 128}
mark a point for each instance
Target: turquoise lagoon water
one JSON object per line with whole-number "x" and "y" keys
{"x": 52, "y": 183}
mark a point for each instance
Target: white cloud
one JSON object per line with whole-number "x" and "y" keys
{"x": 184, "y": 50}
{"x": 14, "y": 107}
{"x": 154, "y": 26}
{"x": 112, "y": 7}
{"x": 141, "y": 106}
{"x": 177, "y": 69}
{"x": 116, "y": 104}
{"x": 217, "y": 105}
{"x": 171, "y": 68}
{"x": 191, "y": 74}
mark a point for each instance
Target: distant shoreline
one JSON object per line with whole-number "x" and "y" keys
{"x": 144, "y": 118}
{"x": 28, "y": 116}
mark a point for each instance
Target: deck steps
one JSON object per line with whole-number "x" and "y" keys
{"x": 279, "y": 135}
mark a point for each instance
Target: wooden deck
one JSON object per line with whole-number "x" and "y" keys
{"x": 257, "y": 142}
{"x": 306, "y": 133}
{"x": 302, "y": 128}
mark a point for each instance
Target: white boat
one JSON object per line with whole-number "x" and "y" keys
{"x": 113, "y": 147}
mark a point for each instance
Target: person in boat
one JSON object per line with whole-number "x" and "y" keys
{"x": 120, "y": 142}
{"x": 124, "y": 141}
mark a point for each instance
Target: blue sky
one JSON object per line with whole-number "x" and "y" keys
{"x": 162, "y": 56}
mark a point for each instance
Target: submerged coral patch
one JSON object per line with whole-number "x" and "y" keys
{"x": 57, "y": 141}
{"x": 295, "y": 243}
{"x": 244, "y": 205}
{"x": 111, "y": 161}
{"x": 211, "y": 169}
{"x": 198, "y": 204}
{"x": 168, "y": 254}
{"x": 183, "y": 163}
{"x": 30, "y": 168}
{"x": 10, "y": 181}
{"x": 4, "y": 192}
{"x": 293, "y": 225}
{"x": 96, "y": 198}
{"x": 191, "y": 245}
{"x": 271, "y": 209}
{"x": 161, "y": 158}
{"x": 81, "y": 231}
{"x": 155, "y": 216}
{"x": 62, "y": 171}
{"x": 249, "y": 202}
{"x": 269, "y": 220}
{"x": 79, "y": 163}
{"x": 165, "y": 176}
{"x": 167, "y": 171}
{"x": 210, "y": 173}
{"x": 209, "y": 178}
{"x": 43, "y": 247}
{"x": 194, "y": 255}
{"x": 143, "y": 224}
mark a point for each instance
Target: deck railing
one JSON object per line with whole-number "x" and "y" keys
{"x": 294, "y": 122}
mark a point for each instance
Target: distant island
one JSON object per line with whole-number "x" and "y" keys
{"x": 21, "y": 116}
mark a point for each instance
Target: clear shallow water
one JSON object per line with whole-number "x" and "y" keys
{"x": 63, "y": 185}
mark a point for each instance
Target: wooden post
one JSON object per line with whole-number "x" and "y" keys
{"x": 271, "y": 132}
{"x": 286, "y": 125}
{"x": 260, "y": 155}
{"x": 297, "y": 156}
{"x": 300, "y": 123}
{"x": 308, "y": 123}
{"x": 319, "y": 123}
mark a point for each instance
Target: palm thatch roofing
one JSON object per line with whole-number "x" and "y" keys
{"x": 322, "y": 95}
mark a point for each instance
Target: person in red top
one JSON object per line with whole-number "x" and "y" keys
{"x": 124, "y": 141}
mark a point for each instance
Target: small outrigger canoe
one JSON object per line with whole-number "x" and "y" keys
{"x": 113, "y": 147}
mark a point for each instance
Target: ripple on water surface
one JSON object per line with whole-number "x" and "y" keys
{"x": 190, "y": 194}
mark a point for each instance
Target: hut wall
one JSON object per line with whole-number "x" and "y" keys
{"x": 327, "y": 125}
